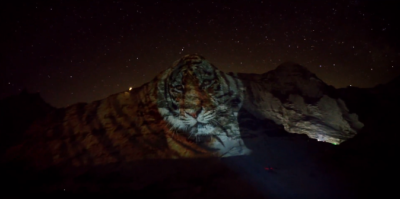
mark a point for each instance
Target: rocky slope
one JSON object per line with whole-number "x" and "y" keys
{"x": 294, "y": 97}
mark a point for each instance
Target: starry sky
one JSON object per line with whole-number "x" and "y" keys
{"x": 80, "y": 51}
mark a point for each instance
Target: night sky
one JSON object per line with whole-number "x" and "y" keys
{"x": 80, "y": 51}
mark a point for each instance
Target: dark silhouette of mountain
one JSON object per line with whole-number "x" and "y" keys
{"x": 17, "y": 113}
{"x": 373, "y": 150}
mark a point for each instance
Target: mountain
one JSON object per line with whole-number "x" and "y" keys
{"x": 282, "y": 109}
{"x": 294, "y": 97}
{"x": 17, "y": 113}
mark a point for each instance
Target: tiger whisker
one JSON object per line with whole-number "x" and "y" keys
{"x": 208, "y": 113}
{"x": 214, "y": 122}
{"x": 209, "y": 117}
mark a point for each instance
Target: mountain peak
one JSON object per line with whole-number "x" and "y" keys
{"x": 293, "y": 96}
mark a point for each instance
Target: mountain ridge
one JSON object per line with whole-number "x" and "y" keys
{"x": 352, "y": 153}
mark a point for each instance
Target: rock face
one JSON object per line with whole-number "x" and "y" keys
{"x": 188, "y": 111}
{"x": 294, "y": 97}
{"x": 149, "y": 140}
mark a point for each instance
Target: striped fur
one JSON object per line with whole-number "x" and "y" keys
{"x": 188, "y": 111}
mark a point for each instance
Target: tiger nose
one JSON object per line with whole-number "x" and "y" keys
{"x": 194, "y": 114}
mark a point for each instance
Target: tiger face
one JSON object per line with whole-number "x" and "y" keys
{"x": 197, "y": 99}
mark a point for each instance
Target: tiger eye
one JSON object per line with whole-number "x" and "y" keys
{"x": 180, "y": 87}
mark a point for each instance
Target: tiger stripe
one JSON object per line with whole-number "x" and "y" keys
{"x": 151, "y": 121}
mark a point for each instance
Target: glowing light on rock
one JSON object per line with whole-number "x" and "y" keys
{"x": 130, "y": 88}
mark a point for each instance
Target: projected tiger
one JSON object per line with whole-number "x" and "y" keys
{"x": 188, "y": 111}
{"x": 198, "y": 100}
